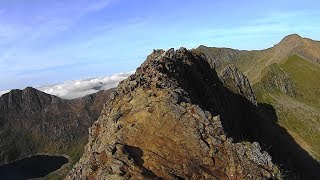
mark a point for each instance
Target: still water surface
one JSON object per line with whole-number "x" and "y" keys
{"x": 32, "y": 167}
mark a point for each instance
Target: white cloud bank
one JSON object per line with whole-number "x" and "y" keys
{"x": 3, "y": 92}
{"x": 80, "y": 88}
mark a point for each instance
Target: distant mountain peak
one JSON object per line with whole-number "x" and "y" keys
{"x": 292, "y": 40}
{"x": 296, "y": 45}
{"x": 25, "y": 90}
{"x": 290, "y": 36}
{"x": 30, "y": 89}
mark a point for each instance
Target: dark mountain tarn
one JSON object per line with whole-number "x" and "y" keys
{"x": 32, "y": 167}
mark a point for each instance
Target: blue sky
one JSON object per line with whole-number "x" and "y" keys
{"x": 46, "y": 42}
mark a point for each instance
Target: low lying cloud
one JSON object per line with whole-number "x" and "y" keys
{"x": 3, "y": 92}
{"x": 80, "y": 88}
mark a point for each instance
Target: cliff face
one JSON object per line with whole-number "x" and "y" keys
{"x": 33, "y": 122}
{"x": 170, "y": 120}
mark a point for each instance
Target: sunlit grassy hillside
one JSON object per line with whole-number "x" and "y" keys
{"x": 299, "y": 113}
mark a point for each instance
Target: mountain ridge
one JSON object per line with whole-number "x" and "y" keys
{"x": 251, "y": 62}
{"x": 184, "y": 114}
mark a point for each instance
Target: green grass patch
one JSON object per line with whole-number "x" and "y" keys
{"x": 306, "y": 77}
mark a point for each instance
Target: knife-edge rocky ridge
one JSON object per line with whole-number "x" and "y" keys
{"x": 173, "y": 119}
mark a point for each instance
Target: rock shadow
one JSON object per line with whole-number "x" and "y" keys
{"x": 136, "y": 154}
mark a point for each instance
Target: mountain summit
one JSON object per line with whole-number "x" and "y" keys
{"x": 296, "y": 45}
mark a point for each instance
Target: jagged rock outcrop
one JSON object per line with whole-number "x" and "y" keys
{"x": 277, "y": 80}
{"x": 33, "y": 122}
{"x": 169, "y": 121}
{"x": 238, "y": 82}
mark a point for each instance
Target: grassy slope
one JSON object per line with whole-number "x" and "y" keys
{"x": 307, "y": 78}
{"x": 75, "y": 152}
{"x": 299, "y": 115}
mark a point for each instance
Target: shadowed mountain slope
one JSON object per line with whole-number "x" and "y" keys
{"x": 33, "y": 122}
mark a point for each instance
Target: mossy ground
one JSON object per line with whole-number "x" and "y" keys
{"x": 74, "y": 152}
{"x": 307, "y": 79}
